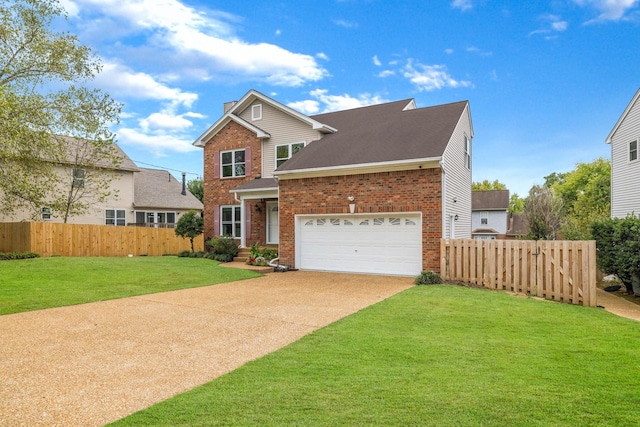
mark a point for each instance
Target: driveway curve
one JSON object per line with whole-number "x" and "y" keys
{"x": 91, "y": 364}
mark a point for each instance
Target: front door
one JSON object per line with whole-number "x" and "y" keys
{"x": 272, "y": 223}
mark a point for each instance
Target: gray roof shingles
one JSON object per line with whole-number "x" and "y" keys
{"x": 153, "y": 188}
{"x": 380, "y": 133}
{"x": 487, "y": 200}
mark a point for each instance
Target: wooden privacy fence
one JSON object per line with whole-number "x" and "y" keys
{"x": 562, "y": 271}
{"x": 46, "y": 239}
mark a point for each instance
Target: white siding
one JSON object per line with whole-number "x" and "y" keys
{"x": 495, "y": 219}
{"x": 283, "y": 129}
{"x": 457, "y": 185}
{"x": 625, "y": 175}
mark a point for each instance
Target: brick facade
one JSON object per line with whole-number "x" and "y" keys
{"x": 417, "y": 190}
{"x": 216, "y": 190}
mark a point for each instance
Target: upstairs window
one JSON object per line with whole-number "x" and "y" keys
{"x": 484, "y": 217}
{"x": 285, "y": 152}
{"x": 256, "y": 112}
{"x": 467, "y": 152}
{"x": 78, "y": 177}
{"x": 633, "y": 150}
{"x": 232, "y": 163}
{"x": 46, "y": 214}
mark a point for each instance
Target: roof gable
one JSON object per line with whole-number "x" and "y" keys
{"x": 487, "y": 200}
{"x": 624, "y": 115}
{"x": 245, "y": 102}
{"x": 155, "y": 188}
{"x": 393, "y": 132}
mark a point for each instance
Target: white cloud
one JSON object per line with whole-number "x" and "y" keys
{"x": 448, "y": 51}
{"x": 307, "y": 106}
{"x": 322, "y": 56}
{"x": 386, "y": 73}
{"x": 462, "y": 4}
{"x": 171, "y": 25}
{"x": 158, "y": 144}
{"x": 376, "y": 61}
{"x": 479, "y": 51}
{"x": 431, "y": 77}
{"x": 165, "y": 120}
{"x": 121, "y": 81}
{"x": 551, "y": 26}
{"x": 345, "y": 24}
{"x": 70, "y": 7}
{"x": 337, "y": 102}
{"x": 610, "y": 10}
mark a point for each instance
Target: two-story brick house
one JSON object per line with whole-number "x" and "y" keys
{"x": 370, "y": 189}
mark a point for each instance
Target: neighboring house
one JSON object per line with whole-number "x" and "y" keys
{"x": 625, "y": 161}
{"x": 140, "y": 196}
{"x": 489, "y": 214}
{"x": 516, "y": 226}
{"x": 371, "y": 189}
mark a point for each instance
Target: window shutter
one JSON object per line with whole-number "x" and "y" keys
{"x": 216, "y": 220}
{"x": 216, "y": 164}
{"x": 247, "y": 218}
{"x": 247, "y": 161}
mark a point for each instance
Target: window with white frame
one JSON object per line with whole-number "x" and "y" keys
{"x": 484, "y": 217}
{"x": 46, "y": 214}
{"x": 115, "y": 217}
{"x": 467, "y": 152}
{"x": 156, "y": 219}
{"x": 230, "y": 221}
{"x": 256, "y": 112}
{"x": 633, "y": 150}
{"x": 78, "y": 177}
{"x": 286, "y": 151}
{"x": 232, "y": 163}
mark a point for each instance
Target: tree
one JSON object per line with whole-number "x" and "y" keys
{"x": 542, "y": 213}
{"x": 190, "y": 225}
{"x": 516, "y": 204}
{"x": 42, "y": 102}
{"x": 586, "y": 197}
{"x": 487, "y": 185}
{"x": 196, "y": 187}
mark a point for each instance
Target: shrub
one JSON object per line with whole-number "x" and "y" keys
{"x": 260, "y": 256}
{"x": 225, "y": 247}
{"x": 190, "y": 225}
{"x": 618, "y": 249}
{"x": 8, "y": 256}
{"x": 428, "y": 278}
{"x": 184, "y": 254}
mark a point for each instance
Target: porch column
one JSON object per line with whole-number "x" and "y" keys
{"x": 243, "y": 230}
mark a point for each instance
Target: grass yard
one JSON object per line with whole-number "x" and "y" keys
{"x": 433, "y": 356}
{"x": 34, "y": 284}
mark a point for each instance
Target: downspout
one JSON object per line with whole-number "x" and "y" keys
{"x": 243, "y": 216}
{"x": 444, "y": 218}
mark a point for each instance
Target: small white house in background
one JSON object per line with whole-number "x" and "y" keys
{"x": 624, "y": 139}
{"x": 489, "y": 209}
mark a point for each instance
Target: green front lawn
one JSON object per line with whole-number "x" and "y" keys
{"x": 39, "y": 283}
{"x": 433, "y": 356}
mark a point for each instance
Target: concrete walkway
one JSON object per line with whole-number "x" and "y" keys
{"x": 91, "y": 364}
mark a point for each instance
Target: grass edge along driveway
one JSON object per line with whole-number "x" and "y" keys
{"x": 39, "y": 283}
{"x": 433, "y": 355}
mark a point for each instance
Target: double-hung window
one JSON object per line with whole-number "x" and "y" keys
{"x": 78, "y": 177}
{"x": 232, "y": 163}
{"x": 46, "y": 214}
{"x": 467, "y": 152}
{"x": 230, "y": 221}
{"x": 484, "y": 217}
{"x": 286, "y": 151}
{"x": 115, "y": 217}
{"x": 633, "y": 150}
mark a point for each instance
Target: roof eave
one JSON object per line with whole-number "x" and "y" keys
{"x": 388, "y": 166}
{"x": 622, "y": 117}
{"x": 228, "y": 116}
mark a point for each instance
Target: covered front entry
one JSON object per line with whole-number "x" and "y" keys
{"x": 385, "y": 243}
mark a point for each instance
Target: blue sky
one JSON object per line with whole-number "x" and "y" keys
{"x": 546, "y": 80}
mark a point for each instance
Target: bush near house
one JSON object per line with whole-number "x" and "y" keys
{"x": 618, "y": 249}
{"x": 6, "y": 256}
{"x": 428, "y": 278}
{"x": 261, "y": 256}
{"x": 224, "y": 249}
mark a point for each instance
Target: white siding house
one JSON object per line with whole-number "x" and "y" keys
{"x": 624, "y": 139}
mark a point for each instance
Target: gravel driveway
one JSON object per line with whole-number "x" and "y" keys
{"x": 91, "y": 364}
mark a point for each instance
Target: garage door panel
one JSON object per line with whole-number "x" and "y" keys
{"x": 383, "y": 244}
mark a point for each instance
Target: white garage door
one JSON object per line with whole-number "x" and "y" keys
{"x": 377, "y": 243}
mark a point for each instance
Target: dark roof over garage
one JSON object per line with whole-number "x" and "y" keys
{"x": 389, "y": 132}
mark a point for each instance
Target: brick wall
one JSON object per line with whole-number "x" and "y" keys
{"x": 405, "y": 191}
{"x": 216, "y": 190}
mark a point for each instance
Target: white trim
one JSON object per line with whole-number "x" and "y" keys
{"x": 394, "y": 165}
{"x": 637, "y": 150}
{"x": 289, "y": 146}
{"x": 622, "y": 117}
{"x": 268, "y": 206}
{"x": 256, "y": 108}
{"x": 222, "y": 122}
{"x": 233, "y": 163}
{"x": 233, "y": 219}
